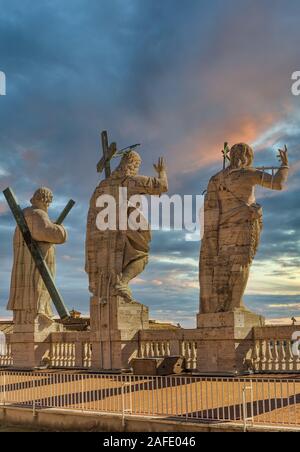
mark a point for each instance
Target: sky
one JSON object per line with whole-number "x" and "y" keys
{"x": 180, "y": 77}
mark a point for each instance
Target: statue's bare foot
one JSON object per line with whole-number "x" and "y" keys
{"x": 123, "y": 291}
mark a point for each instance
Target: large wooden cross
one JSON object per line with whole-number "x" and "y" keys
{"x": 109, "y": 152}
{"x": 35, "y": 250}
{"x": 226, "y": 154}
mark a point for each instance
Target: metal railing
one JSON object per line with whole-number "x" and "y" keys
{"x": 240, "y": 400}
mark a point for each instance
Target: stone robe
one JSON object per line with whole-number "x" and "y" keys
{"x": 28, "y": 294}
{"x": 109, "y": 252}
{"x": 232, "y": 228}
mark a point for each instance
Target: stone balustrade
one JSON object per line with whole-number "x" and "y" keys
{"x": 272, "y": 355}
{"x": 71, "y": 350}
{"x": 6, "y": 359}
{"x": 274, "y": 349}
{"x": 270, "y": 349}
{"x": 169, "y": 342}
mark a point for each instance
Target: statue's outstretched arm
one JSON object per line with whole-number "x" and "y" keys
{"x": 152, "y": 185}
{"x": 279, "y": 179}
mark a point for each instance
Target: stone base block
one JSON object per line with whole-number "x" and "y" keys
{"x": 235, "y": 319}
{"x": 30, "y": 343}
{"x": 225, "y": 340}
{"x": 115, "y": 326}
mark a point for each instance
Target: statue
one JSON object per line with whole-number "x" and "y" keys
{"x": 29, "y": 297}
{"x": 115, "y": 257}
{"x": 232, "y": 228}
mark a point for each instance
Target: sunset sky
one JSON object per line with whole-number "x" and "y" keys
{"x": 180, "y": 77}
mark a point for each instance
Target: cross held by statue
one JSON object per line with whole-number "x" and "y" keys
{"x": 109, "y": 152}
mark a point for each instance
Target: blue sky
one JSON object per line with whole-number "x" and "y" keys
{"x": 181, "y": 77}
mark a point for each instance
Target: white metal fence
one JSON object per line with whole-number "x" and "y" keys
{"x": 241, "y": 400}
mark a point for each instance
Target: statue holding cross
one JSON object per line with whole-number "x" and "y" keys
{"x": 32, "y": 280}
{"x": 115, "y": 257}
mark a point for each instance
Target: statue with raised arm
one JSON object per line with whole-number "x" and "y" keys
{"x": 116, "y": 256}
{"x": 232, "y": 228}
{"x": 29, "y": 297}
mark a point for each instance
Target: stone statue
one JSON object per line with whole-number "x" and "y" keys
{"x": 232, "y": 228}
{"x": 29, "y": 297}
{"x": 115, "y": 257}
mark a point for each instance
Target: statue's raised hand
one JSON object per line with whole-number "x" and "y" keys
{"x": 161, "y": 165}
{"x": 283, "y": 156}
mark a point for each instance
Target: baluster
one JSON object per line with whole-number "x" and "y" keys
{"x": 58, "y": 353}
{"x": 51, "y": 354}
{"x": 73, "y": 354}
{"x": 63, "y": 355}
{"x": 72, "y": 358}
{"x": 90, "y": 355}
{"x": 54, "y": 354}
{"x": 256, "y": 356}
{"x": 269, "y": 355}
{"x": 141, "y": 350}
{"x": 182, "y": 348}
{"x": 276, "y": 355}
{"x": 289, "y": 355}
{"x": 263, "y": 355}
{"x": 148, "y": 347}
{"x": 168, "y": 349}
{"x": 87, "y": 354}
{"x": 153, "y": 349}
{"x": 189, "y": 355}
{"x": 70, "y": 355}
{"x": 282, "y": 355}
{"x": 194, "y": 355}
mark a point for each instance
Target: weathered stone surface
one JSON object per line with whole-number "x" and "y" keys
{"x": 224, "y": 341}
{"x": 115, "y": 325}
{"x": 232, "y": 227}
{"x": 113, "y": 259}
{"x": 29, "y": 298}
{"x": 117, "y": 255}
{"x": 30, "y": 343}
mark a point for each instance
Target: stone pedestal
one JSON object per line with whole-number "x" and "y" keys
{"x": 114, "y": 332}
{"x": 30, "y": 343}
{"x": 224, "y": 341}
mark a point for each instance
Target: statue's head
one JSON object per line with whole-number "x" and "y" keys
{"x": 241, "y": 155}
{"x": 129, "y": 165}
{"x": 42, "y": 198}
